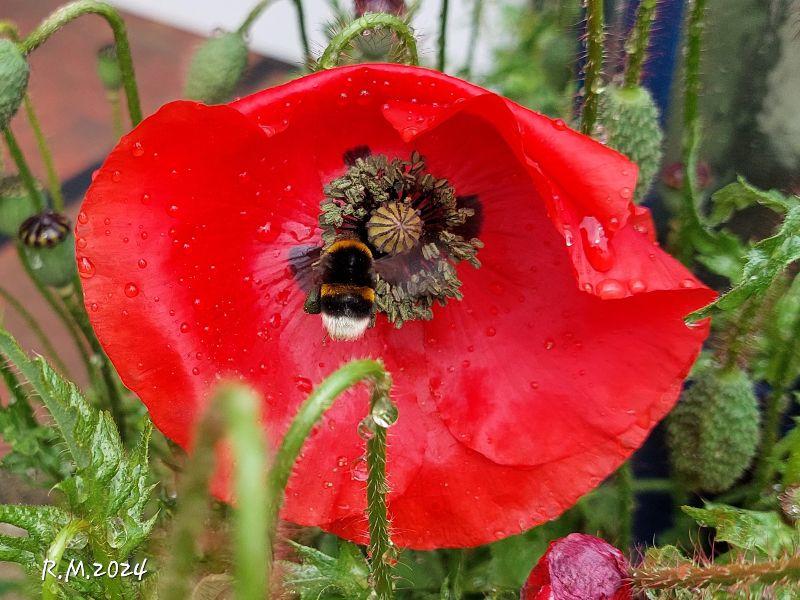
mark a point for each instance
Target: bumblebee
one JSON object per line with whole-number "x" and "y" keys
{"x": 346, "y": 296}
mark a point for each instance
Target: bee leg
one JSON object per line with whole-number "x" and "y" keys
{"x": 312, "y": 304}
{"x": 372, "y": 319}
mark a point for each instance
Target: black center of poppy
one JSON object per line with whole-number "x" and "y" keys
{"x": 414, "y": 223}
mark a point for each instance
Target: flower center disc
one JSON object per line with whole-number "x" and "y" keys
{"x": 415, "y": 225}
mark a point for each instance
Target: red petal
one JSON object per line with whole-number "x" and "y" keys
{"x": 497, "y": 432}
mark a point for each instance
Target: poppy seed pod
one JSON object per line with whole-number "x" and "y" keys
{"x": 579, "y": 567}
{"x": 216, "y": 68}
{"x": 629, "y": 119}
{"x": 14, "y": 73}
{"x": 713, "y": 433}
{"x": 47, "y": 244}
{"x": 16, "y": 204}
{"x": 490, "y": 256}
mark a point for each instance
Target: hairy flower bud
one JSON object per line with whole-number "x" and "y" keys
{"x": 713, "y": 433}
{"x": 14, "y": 73}
{"x": 47, "y": 243}
{"x": 216, "y": 68}
{"x": 16, "y": 204}
{"x": 108, "y": 67}
{"x": 629, "y": 118}
{"x": 579, "y": 566}
{"x": 397, "y": 7}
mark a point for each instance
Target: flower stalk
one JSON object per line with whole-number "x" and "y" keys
{"x": 23, "y": 170}
{"x": 593, "y": 71}
{"x": 53, "y": 181}
{"x": 72, "y": 11}
{"x": 330, "y": 58}
{"x": 253, "y": 16}
{"x": 308, "y": 415}
{"x": 54, "y": 554}
{"x": 695, "y": 577}
{"x": 638, "y": 42}
{"x": 233, "y": 415}
{"x": 442, "y": 41}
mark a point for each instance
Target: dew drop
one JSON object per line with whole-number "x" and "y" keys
{"x": 559, "y": 124}
{"x": 81, "y": 243}
{"x": 610, "y": 289}
{"x": 137, "y": 149}
{"x": 637, "y": 286}
{"x": 626, "y": 193}
{"x": 196, "y": 371}
{"x": 142, "y": 263}
{"x": 595, "y": 242}
{"x": 275, "y": 321}
{"x": 491, "y": 332}
{"x": 116, "y": 176}
{"x": 359, "y": 470}
{"x": 687, "y": 283}
{"x": 83, "y": 218}
{"x": 94, "y": 307}
{"x": 303, "y": 384}
{"x": 184, "y": 327}
{"x": 549, "y": 344}
{"x": 86, "y": 268}
{"x": 131, "y": 291}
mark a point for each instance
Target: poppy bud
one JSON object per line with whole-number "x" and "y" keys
{"x": 713, "y": 433}
{"x": 579, "y": 566}
{"x": 14, "y": 72}
{"x": 108, "y": 67}
{"x": 16, "y": 204}
{"x": 629, "y": 118}
{"x": 216, "y": 68}
{"x": 47, "y": 243}
{"x": 396, "y": 7}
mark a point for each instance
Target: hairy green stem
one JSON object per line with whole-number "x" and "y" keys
{"x": 638, "y": 42}
{"x": 309, "y": 413}
{"x": 253, "y": 15}
{"x": 59, "y": 310}
{"x": 37, "y": 330}
{"x": 116, "y": 113}
{"x": 593, "y": 71}
{"x": 72, "y": 11}
{"x": 23, "y": 170}
{"x": 330, "y": 58}
{"x": 441, "y": 61}
{"x": 775, "y": 407}
{"x": 653, "y": 484}
{"x": 694, "y": 577}
{"x": 235, "y": 411}
{"x": 54, "y": 554}
{"x": 626, "y": 498}
{"x": 53, "y": 182}
{"x": 301, "y": 25}
{"x": 690, "y": 221}
{"x": 73, "y": 300}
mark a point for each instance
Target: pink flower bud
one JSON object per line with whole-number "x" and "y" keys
{"x": 579, "y": 567}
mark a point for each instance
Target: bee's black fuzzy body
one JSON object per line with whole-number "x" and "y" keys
{"x": 347, "y": 293}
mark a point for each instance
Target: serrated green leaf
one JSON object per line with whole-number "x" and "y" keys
{"x": 741, "y": 194}
{"x": 41, "y": 522}
{"x": 765, "y": 261}
{"x": 320, "y": 575}
{"x": 747, "y": 529}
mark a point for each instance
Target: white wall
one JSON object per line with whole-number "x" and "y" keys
{"x": 275, "y": 33}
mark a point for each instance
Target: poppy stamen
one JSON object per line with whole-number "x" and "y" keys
{"x": 411, "y": 221}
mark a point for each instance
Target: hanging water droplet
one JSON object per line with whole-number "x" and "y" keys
{"x": 384, "y": 413}
{"x": 359, "y": 470}
{"x": 366, "y": 428}
{"x": 595, "y": 243}
{"x": 610, "y": 289}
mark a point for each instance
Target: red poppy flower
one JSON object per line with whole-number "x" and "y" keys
{"x": 197, "y": 243}
{"x": 579, "y": 567}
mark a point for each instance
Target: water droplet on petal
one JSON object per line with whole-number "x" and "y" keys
{"x": 595, "y": 243}
{"x": 491, "y": 332}
{"x": 136, "y": 149}
{"x": 184, "y": 327}
{"x": 559, "y": 124}
{"x": 303, "y": 384}
{"x": 359, "y": 470}
{"x": 83, "y": 218}
{"x": 116, "y": 176}
{"x": 549, "y": 344}
{"x": 131, "y": 291}
{"x": 610, "y": 289}
{"x": 86, "y": 268}
{"x": 637, "y": 286}
{"x": 687, "y": 283}
{"x": 142, "y": 263}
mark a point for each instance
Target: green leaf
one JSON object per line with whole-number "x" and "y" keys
{"x": 747, "y": 529}
{"x": 740, "y": 195}
{"x": 320, "y": 575}
{"x": 764, "y": 262}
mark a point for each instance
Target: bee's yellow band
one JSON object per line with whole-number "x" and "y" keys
{"x": 334, "y": 289}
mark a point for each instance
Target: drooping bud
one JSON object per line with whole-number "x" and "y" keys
{"x": 16, "y": 204}
{"x": 47, "y": 243}
{"x": 14, "y": 73}
{"x": 713, "y": 433}
{"x": 396, "y": 7}
{"x": 579, "y": 566}
{"x": 108, "y": 67}
{"x": 629, "y": 122}
{"x": 216, "y": 68}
